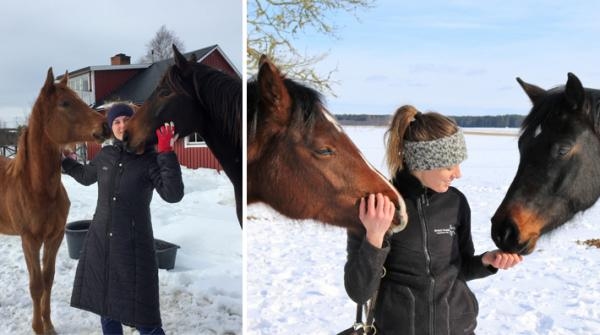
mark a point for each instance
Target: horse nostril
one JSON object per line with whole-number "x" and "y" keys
{"x": 510, "y": 233}
{"x": 506, "y": 235}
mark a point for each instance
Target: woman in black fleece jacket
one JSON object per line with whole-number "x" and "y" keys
{"x": 425, "y": 267}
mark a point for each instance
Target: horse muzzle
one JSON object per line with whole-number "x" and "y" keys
{"x": 507, "y": 237}
{"x": 103, "y": 134}
{"x": 400, "y": 218}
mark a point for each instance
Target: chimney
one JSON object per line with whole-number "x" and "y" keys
{"x": 120, "y": 59}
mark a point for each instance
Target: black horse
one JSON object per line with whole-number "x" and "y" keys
{"x": 201, "y": 99}
{"x": 559, "y": 170}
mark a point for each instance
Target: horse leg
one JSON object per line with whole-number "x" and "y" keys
{"x": 31, "y": 249}
{"x": 51, "y": 246}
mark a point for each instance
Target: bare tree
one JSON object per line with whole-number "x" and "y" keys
{"x": 273, "y": 25}
{"x": 159, "y": 47}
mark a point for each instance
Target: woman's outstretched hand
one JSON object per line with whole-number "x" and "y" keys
{"x": 500, "y": 259}
{"x": 376, "y": 214}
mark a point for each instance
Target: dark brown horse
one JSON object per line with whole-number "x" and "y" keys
{"x": 33, "y": 201}
{"x": 300, "y": 161}
{"x": 559, "y": 170}
{"x": 201, "y": 99}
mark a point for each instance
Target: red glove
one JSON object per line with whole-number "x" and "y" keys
{"x": 166, "y": 137}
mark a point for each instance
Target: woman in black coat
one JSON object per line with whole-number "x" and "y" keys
{"x": 117, "y": 273}
{"x": 421, "y": 272}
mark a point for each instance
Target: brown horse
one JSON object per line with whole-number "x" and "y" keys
{"x": 33, "y": 201}
{"x": 300, "y": 161}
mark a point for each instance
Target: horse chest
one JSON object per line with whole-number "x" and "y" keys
{"x": 40, "y": 210}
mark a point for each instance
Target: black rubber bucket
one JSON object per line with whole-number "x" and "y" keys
{"x": 165, "y": 254}
{"x": 75, "y": 232}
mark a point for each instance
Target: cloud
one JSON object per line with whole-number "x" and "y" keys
{"x": 68, "y": 35}
{"x": 379, "y": 78}
{"x": 433, "y": 68}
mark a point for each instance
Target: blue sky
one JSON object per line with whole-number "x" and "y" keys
{"x": 69, "y": 35}
{"x": 457, "y": 57}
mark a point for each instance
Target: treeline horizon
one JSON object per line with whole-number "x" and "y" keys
{"x": 484, "y": 121}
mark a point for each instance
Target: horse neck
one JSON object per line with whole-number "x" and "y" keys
{"x": 221, "y": 96}
{"x": 38, "y": 157}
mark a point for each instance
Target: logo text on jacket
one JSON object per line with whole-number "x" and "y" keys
{"x": 451, "y": 230}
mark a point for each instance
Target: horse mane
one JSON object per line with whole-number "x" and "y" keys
{"x": 223, "y": 95}
{"x": 551, "y": 104}
{"x": 17, "y": 165}
{"x": 594, "y": 109}
{"x": 307, "y": 105}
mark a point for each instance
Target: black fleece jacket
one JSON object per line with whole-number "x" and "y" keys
{"x": 424, "y": 290}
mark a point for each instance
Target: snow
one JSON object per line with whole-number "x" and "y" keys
{"x": 295, "y": 268}
{"x": 201, "y": 295}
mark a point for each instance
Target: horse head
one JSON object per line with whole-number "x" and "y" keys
{"x": 67, "y": 118}
{"x": 559, "y": 169}
{"x": 300, "y": 161}
{"x": 172, "y": 99}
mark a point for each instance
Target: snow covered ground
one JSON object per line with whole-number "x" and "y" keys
{"x": 201, "y": 295}
{"x": 295, "y": 268}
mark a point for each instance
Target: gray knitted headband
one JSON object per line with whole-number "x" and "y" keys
{"x": 428, "y": 155}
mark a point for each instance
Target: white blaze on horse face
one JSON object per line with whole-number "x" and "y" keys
{"x": 332, "y": 120}
{"x": 401, "y": 203}
{"x": 538, "y": 131}
{"x": 387, "y": 182}
{"x": 337, "y": 126}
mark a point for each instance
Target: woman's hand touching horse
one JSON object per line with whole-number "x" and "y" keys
{"x": 376, "y": 214}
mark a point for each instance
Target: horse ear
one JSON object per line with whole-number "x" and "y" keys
{"x": 180, "y": 61}
{"x": 65, "y": 79}
{"x": 274, "y": 95}
{"x": 533, "y": 92}
{"x": 574, "y": 91}
{"x": 49, "y": 84}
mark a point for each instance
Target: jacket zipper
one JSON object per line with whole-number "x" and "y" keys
{"x": 423, "y": 201}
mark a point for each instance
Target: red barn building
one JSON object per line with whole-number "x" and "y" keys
{"x": 123, "y": 81}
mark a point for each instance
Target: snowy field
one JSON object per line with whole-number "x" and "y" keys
{"x": 201, "y": 295}
{"x": 295, "y": 268}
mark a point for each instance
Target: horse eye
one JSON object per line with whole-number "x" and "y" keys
{"x": 561, "y": 150}
{"x": 325, "y": 151}
{"x": 65, "y": 104}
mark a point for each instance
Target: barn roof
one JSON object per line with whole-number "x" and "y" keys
{"x": 105, "y": 68}
{"x": 139, "y": 88}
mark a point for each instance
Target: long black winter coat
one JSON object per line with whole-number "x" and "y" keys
{"x": 117, "y": 273}
{"x": 424, "y": 290}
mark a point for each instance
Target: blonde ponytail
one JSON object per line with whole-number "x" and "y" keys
{"x": 394, "y": 137}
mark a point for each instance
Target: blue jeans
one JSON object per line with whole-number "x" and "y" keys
{"x": 112, "y": 327}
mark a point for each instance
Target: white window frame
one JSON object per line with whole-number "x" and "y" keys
{"x": 193, "y": 144}
{"x": 81, "y": 83}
